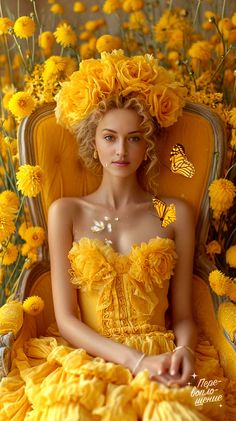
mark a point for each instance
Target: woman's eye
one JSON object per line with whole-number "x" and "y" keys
{"x": 134, "y": 139}
{"x": 108, "y": 137}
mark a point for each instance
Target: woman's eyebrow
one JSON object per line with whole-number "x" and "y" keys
{"x": 113, "y": 131}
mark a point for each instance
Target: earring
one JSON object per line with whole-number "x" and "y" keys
{"x": 95, "y": 154}
{"x": 145, "y": 156}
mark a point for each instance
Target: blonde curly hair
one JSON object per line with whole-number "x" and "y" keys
{"x": 85, "y": 134}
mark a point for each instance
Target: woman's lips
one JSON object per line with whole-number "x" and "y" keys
{"x": 120, "y": 163}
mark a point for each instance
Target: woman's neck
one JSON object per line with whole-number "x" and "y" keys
{"x": 117, "y": 192}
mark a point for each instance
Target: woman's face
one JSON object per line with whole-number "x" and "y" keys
{"x": 119, "y": 142}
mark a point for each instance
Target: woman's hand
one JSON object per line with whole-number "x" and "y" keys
{"x": 171, "y": 368}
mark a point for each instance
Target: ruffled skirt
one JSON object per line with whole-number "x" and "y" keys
{"x": 52, "y": 381}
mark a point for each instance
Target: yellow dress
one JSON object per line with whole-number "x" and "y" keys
{"x": 123, "y": 298}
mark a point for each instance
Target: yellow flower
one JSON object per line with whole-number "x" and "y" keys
{"x": 232, "y": 115}
{"x": 137, "y": 20}
{"x": 132, "y": 5}
{"x": 24, "y": 27}
{"x": 85, "y": 35}
{"x": 29, "y": 179}
{"x": 222, "y": 193}
{"x": 31, "y": 258}
{"x": 65, "y": 35}
{"x": 213, "y": 247}
{"x": 153, "y": 263}
{"x": 22, "y": 230}
{"x": 231, "y": 256}
{"x": 7, "y": 226}
{"x": 9, "y": 198}
{"x": 7, "y": 96}
{"x": 79, "y": 7}
{"x": 33, "y": 305}
{"x": 115, "y": 74}
{"x": 57, "y": 9}
{"x": 21, "y": 104}
{"x": 94, "y": 8}
{"x": 46, "y": 40}
{"x": 5, "y": 24}
{"x": 234, "y": 19}
{"x": 200, "y": 50}
{"x": 110, "y": 6}
{"x": 57, "y": 66}
{"x": 222, "y": 284}
{"x": 108, "y": 43}
{"x": 34, "y": 236}
{"x": 9, "y": 254}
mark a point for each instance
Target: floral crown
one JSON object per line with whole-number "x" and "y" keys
{"x": 115, "y": 74}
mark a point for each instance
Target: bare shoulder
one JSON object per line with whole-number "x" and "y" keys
{"x": 63, "y": 205}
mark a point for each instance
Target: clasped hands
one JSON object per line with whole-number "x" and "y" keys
{"x": 173, "y": 369}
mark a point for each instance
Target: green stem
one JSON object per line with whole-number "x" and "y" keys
{"x": 219, "y": 65}
{"x": 8, "y": 59}
{"x": 18, "y": 8}
{"x": 14, "y": 270}
{"x": 223, "y": 9}
{"x": 21, "y": 54}
{"x": 230, "y": 168}
{"x": 197, "y": 11}
{"x": 170, "y": 5}
{"x": 37, "y": 17}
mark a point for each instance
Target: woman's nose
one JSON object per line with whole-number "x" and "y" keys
{"x": 121, "y": 148}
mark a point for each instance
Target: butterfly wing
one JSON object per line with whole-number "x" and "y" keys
{"x": 167, "y": 214}
{"x": 180, "y": 163}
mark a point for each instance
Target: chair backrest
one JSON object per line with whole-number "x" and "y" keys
{"x": 42, "y": 141}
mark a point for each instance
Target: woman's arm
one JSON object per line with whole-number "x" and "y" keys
{"x": 60, "y": 225}
{"x": 181, "y": 292}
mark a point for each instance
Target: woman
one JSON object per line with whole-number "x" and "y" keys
{"x": 115, "y": 268}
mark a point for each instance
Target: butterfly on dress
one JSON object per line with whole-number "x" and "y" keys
{"x": 180, "y": 163}
{"x": 166, "y": 213}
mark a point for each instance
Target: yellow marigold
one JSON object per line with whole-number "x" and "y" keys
{"x": 231, "y": 256}
{"x": 132, "y": 5}
{"x": 65, "y": 35}
{"x": 110, "y": 6}
{"x": 91, "y": 25}
{"x": 94, "y": 8}
{"x": 9, "y": 198}
{"x": 9, "y": 254}
{"x": 24, "y": 27}
{"x": 232, "y": 115}
{"x": 85, "y": 51}
{"x": 34, "y": 236}
{"x": 85, "y": 35}
{"x": 29, "y": 179}
{"x": 22, "y": 230}
{"x": 200, "y": 50}
{"x": 46, "y": 40}
{"x": 79, "y": 7}
{"x": 108, "y": 43}
{"x": 137, "y": 20}
{"x": 33, "y": 305}
{"x": 222, "y": 284}
{"x": 21, "y": 104}
{"x": 7, "y": 96}
{"x": 222, "y": 193}
{"x": 7, "y": 226}
{"x": 57, "y": 9}
{"x": 57, "y": 66}
{"x": 213, "y": 247}
{"x": 5, "y": 24}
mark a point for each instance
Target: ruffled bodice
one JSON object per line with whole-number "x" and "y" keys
{"x": 123, "y": 295}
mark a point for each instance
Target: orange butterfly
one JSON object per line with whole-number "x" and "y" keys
{"x": 166, "y": 213}
{"x": 180, "y": 163}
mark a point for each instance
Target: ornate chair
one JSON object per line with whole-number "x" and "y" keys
{"x": 42, "y": 141}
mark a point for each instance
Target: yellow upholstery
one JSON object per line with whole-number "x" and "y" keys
{"x": 42, "y": 141}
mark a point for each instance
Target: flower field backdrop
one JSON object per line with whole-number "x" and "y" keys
{"x": 40, "y": 49}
